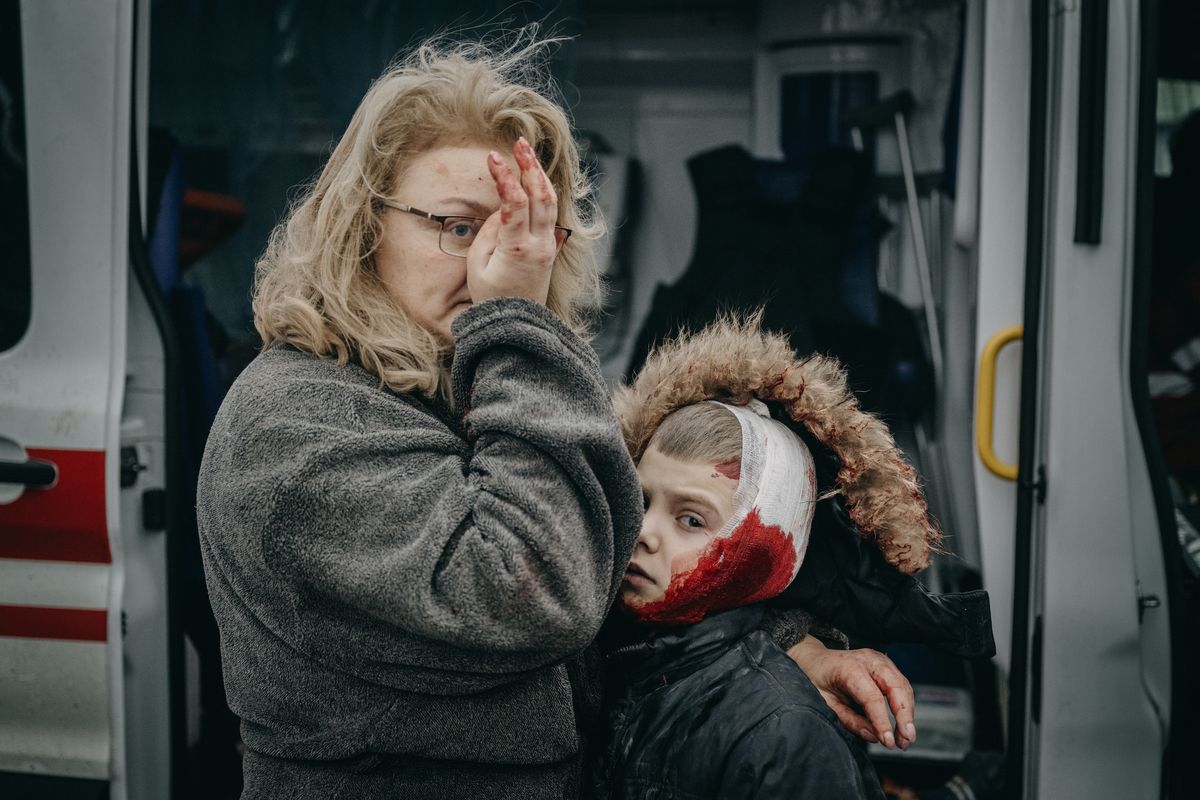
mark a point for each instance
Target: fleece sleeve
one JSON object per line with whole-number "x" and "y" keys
{"x": 511, "y": 543}
{"x": 787, "y": 626}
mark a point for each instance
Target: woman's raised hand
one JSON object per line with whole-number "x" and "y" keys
{"x": 515, "y": 250}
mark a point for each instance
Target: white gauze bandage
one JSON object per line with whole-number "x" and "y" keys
{"x": 759, "y": 549}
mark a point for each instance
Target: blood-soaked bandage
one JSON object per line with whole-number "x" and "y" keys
{"x": 758, "y": 550}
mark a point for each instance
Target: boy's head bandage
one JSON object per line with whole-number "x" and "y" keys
{"x": 758, "y": 551}
{"x": 735, "y": 358}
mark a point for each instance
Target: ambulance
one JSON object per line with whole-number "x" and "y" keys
{"x": 1025, "y": 241}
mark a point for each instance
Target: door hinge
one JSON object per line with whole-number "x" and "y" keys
{"x": 1038, "y": 486}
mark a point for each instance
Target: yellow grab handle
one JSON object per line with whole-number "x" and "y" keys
{"x": 985, "y": 401}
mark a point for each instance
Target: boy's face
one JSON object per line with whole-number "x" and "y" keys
{"x": 686, "y": 503}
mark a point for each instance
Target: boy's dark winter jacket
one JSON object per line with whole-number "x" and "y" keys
{"x": 717, "y": 710}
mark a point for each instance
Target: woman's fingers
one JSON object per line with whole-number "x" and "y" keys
{"x": 899, "y": 694}
{"x": 514, "y": 202}
{"x": 864, "y": 678}
{"x": 851, "y": 720}
{"x": 543, "y": 204}
{"x": 864, "y": 691}
{"x": 871, "y": 681}
{"x": 514, "y": 253}
{"x": 505, "y": 260}
{"x": 480, "y": 253}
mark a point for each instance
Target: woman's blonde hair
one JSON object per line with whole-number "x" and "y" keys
{"x": 315, "y": 285}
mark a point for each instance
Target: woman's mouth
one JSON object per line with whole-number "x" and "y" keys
{"x": 636, "y": 576}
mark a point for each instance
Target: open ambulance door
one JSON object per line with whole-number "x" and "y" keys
{"x": 88, "y": 680}
{"x": 1085, "y": 594}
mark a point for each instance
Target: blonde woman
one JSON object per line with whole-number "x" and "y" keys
{"x": 415, "y": 505}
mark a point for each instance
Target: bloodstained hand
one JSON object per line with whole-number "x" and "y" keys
{"x": 514, "y": 251}
{"x": 864, "y": 679}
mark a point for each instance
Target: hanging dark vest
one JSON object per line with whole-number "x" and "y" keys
{"x": 749, "y": 251}
{"x": 770, "y": 235}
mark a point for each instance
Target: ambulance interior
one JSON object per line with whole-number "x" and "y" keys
{"x": 822, "y": 160}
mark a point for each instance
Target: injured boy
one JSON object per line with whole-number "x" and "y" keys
{"x": 702, "y": 702}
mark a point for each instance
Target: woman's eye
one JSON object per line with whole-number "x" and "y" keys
{"x": 464, "y": 229}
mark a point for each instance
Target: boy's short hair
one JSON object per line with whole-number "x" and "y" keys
{"x": 699, "y": 432}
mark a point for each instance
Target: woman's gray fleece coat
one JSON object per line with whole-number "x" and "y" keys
{"x": 396, "y": 589}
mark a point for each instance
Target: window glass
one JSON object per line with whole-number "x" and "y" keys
{"x": 1176, "y": 99}
{"x": 14, "y": 186}
{"x": 1174, "y": 340}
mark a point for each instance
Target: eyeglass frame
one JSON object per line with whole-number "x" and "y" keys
{"x": 441, "y": 219}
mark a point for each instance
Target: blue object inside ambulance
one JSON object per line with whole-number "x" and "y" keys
{"x": 204, "y": 386}
{"x": 204, "y": 391}
{"x": 811, "y": 109}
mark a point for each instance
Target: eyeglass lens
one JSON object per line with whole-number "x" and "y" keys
{"x": 458, "y": 233}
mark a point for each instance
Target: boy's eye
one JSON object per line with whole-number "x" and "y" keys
{"x": 691, "y": 521}
{"x": 645, "y": 502}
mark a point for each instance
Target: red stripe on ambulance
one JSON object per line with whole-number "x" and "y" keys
{"x": 43, "y": 622}
{"x": 66, "y": 522}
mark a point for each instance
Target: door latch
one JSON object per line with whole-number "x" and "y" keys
{"x": 1145, "y": 601}
{"x": 131, "y": 465}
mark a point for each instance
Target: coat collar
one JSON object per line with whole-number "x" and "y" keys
{"x": 668, "y": 655}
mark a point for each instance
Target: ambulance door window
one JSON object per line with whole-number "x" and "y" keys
{"x": 1166, "y": 354}
{"x": 1174, "y": 316}
{"x": 14, "y": 185}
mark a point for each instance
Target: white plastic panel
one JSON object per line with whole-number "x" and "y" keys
{"x": 60, "y": 395}
{"x": 46, "y": 583}
{"x": 1100, "y": 735}
{"x": 55, "y": 383}
{"x": 1001, "y": 270}
{"x": 55, "y": 700}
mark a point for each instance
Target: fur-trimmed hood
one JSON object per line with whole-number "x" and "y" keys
{"x": 734, "y": 359}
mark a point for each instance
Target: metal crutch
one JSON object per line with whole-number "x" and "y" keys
{"x": 896, "y": 108}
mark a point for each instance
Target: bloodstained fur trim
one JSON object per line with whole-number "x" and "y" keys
{"x": 733, "y": 358}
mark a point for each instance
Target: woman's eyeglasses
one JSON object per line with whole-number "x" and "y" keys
{"x": 457, "y": 232}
